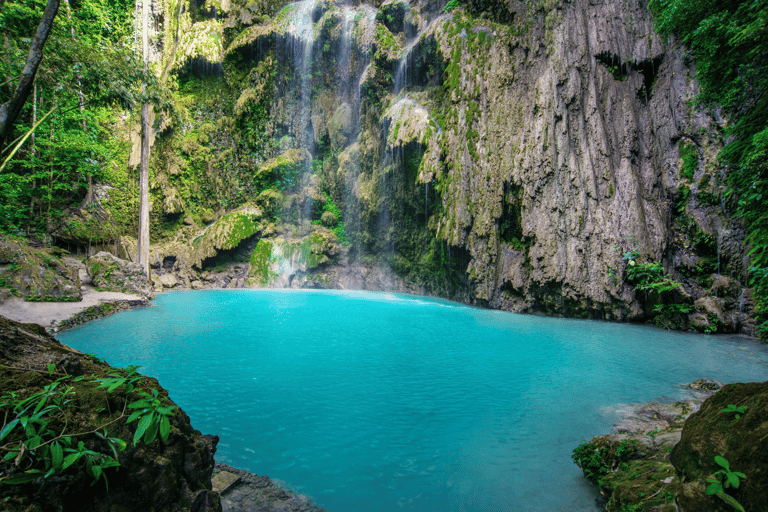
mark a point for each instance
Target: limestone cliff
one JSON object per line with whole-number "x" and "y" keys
{"x": 529, "y": 156}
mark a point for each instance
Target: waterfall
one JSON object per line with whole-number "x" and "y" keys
{"x": 304, "y": 28}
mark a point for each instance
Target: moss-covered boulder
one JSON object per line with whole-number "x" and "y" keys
{"x": 631, "y": 466}
{"x": 742, "y": 441}
{"x": 285, "y": 170}
{"x": 225, "y": 234}
{"x": 37, "y": 274}
{"x": 110, "y": 273}
{"x": 89, "y": 223}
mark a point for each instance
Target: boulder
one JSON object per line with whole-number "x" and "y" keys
{"x": 88, "y": 223}
{"x": 168, "y": 280}
{"x": 37, "y": 274}
{"x": 108, "y": 272}
{"x": 742, "y": 441}
{"x": 713, "y": 308}
{"x": 329, "y": 219}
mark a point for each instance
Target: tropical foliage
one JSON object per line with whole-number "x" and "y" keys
{"x": 728, "y": 40}
{"x": 89, "y": 69}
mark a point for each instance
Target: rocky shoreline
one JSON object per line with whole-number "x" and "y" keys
{"x": 176, "y": 474}
{"x": 661, "y": 457}
{"x": 241, "y": 490}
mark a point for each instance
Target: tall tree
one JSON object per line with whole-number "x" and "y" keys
{"x": 142, "y": 258}
{"x": 9, "y": 110}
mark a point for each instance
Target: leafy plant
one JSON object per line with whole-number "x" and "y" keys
{"x": 723, "y": 479}
{"x": 597, "y": 461}
{"x": 451, "y": 5}
{"x": 732, "y": 409}
{"x": 34, "y": 440}
{"x": 35, "y": 446}
{"x": 153, "y": 417}
{"x": 115, "y": 380}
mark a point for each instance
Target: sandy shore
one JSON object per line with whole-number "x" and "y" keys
{"x": 49, "y": 314}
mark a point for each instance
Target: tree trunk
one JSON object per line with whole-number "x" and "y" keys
{"x": 142, "y": 258}
{"x": 9, "y": 110}
{"x": 143, "y": 252}
{"x": 34, "y": 154}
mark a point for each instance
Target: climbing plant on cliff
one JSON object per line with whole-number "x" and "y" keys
{"x": 729, "y": 43}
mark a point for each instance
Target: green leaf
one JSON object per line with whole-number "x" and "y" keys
{"x": 151, "y": 433}
{"x": 95, "y": 473}
{"x": 730, "y": 500}
{"x": 144, "y": 424}
{"x": 21, "y": 478}
{"x": 71, "y": 459}
{"x": 165, "y": 428}
{"x": 733, "y": 480}
{"x": 138, "y": 404}
{"x": 714, "y": 488}
{"x": 7, "y": 429}
{"x": 135, "y": 415}
{"x": 722, "y": 462}
{"x": 33, "y": 442}
{"x": 57, "y": 455}
{"x": 115, "y": 385}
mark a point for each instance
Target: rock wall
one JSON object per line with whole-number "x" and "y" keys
{"x": 519, "y": 155}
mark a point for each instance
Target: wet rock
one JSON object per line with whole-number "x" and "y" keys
{"x": 245, "y": 491}
{"x": 706, "y": 384}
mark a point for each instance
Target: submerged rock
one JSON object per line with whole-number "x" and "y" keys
{"x": 244, "y": 491}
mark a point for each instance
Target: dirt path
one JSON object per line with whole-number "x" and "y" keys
{"x": 51, "y": 314}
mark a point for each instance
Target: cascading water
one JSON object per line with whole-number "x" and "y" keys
{"x": 303, "y": 28}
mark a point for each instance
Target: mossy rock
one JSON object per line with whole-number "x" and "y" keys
{"x": 743, "y": 442}
{"x": 285, "y": 170}
{"x": 260, "y": 259}
{"x": 329, "y": 219}
{"x": 409, "y": 122}
{"x": 111, "y": 273}
{"x": 269, "y": 201}
{"x": 226, "y": 233}
{"x": 37, "y": 275}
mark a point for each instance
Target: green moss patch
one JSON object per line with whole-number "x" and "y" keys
{"x": 260, "y": 259}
